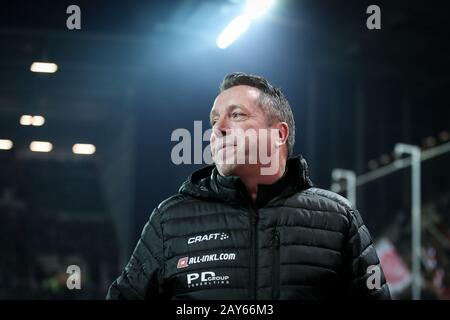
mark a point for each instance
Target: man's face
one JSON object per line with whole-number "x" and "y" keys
{"x": 240, "y": 129}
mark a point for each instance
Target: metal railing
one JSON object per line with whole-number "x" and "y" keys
{"x": 416, "y": 157}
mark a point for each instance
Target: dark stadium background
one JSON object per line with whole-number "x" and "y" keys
{"x": 136, "y": 71}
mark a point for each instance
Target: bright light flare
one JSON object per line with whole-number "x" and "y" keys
{"x": 256, "y": 8}
{"x": 38, "y": 121}
{"x": 26, "y": 120}
{"x": 5, "y": 144}
{"x": 41, "y": 146}
{"x": 236, "y": 27}
{"x": 83, "y": 148}
{"x": 44, "y": 67}
{"x": 253, "y": 10}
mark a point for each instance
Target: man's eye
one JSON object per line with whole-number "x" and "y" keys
{"x": 237, "y": 115}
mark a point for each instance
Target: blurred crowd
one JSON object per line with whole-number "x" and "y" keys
{"x": 435, "y": 257}
{"x": 52, "y": 216}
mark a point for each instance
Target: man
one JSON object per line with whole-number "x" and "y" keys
{"x": 248, "y": 228}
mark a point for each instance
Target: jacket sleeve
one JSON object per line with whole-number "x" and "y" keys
{"x": 141, "y": 277}
{"x": 365, "y": 277}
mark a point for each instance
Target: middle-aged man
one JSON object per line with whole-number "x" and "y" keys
{"x": 252, "y": 226}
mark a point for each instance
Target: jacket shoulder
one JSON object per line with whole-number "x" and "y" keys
{"x": 172, "y": 201}
{"x": 325, "y": 200}
{"x": 178, "y": 206}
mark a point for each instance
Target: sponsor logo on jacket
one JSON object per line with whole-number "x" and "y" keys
{"x": 187, "y": 261}
{"x": 206, "y": 278}
{"x": 208, "y": 237}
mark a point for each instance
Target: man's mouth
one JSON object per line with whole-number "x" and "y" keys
{"x": 225, "y": 145}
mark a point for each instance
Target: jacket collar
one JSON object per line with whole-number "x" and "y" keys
{"x": 208, "y": 183}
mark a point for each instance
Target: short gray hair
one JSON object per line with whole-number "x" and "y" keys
{"x": 272, "y": 101}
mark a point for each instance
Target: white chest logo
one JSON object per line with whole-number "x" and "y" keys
{"x": 208, "y": 237}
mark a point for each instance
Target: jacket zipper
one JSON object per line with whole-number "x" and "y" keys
{"x": 276, "y": 265}
{"x": 254, "y": 252}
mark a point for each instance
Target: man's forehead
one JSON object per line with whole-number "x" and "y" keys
{"x": 238, "y": 96}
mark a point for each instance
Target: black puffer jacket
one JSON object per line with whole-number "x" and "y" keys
{"x": 211, "y": 242}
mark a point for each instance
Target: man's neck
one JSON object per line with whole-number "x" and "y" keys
{"x": 253, "y": 179}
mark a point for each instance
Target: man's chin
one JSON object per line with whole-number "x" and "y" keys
{"x": 227, "y": 169}
{"x": 235, "y": 169}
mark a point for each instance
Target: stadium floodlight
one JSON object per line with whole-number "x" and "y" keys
{"x": 256, "y": 8}
{"x": 44, "y": 67}
{"x": 253, "y": 10}
{"x": 83, "y": 148}
{"x": 38, "y": 121}
{"x": 41, "y": 146}
{"x": 5, "y": 144}
{"x": 26, "y": 120}
{"x": 236, "y": 27}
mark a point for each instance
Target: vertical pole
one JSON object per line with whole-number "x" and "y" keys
{"x": 350, "y": 181}
{"x": 416, "y": 228}
{"x": 416, "y": 224}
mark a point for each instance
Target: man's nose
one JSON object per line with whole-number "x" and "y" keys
{"x": 221, "y": 127}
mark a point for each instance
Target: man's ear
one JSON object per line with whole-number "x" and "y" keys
{"x": 283, "y": 132}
